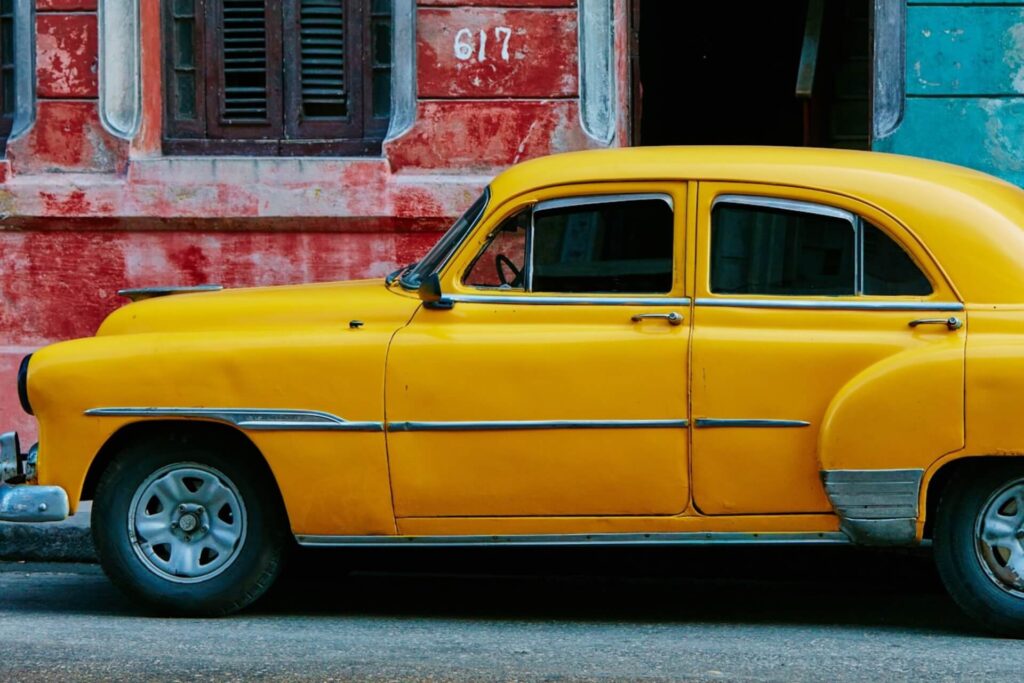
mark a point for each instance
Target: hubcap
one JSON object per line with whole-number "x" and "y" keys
{"x": 187, "y": 522}
{"x": 999, "y": 532}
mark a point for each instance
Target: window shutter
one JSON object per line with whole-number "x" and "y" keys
{"x": 243, "y": 100}
{"x": 322, "y": 59}
{"x": 185, "y": 92}
{"x": 6, "y": 68}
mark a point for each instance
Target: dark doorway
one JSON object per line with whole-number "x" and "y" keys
{"x": 736, "y": 72}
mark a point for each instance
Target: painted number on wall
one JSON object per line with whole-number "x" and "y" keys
{"x": 467, "y": 43}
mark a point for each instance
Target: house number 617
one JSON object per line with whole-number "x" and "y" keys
{"x": 464, "y": 47}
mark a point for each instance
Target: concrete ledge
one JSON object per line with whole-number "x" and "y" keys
{"x": 67, "y": 541}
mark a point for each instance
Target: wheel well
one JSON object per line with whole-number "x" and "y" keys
{"x": 222, "y": 437}
{"x": 947, "y": 473}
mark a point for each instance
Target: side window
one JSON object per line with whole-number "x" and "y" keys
{"x": 502, "y": 262}
{"x": 764, "y": 250}
{"x": 620, "y": 245}
{"x": 616, "y": 247}
{"x": 784, "y": 248}
{"x": 888, "y": 270}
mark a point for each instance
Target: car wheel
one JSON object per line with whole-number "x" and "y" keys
{"x": 187, "y": 530}
{"x": 979, "y": 546}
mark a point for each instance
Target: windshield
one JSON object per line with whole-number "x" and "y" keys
{"x": 442, "y": 251}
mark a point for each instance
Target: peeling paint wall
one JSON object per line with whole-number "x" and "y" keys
{"x": 85, "y": 213}
{"x": 964, "y": 86}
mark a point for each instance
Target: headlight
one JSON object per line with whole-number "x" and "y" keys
{"x": 23, "y": 384}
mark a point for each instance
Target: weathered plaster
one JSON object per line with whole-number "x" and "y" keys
{"x": 598, "y": 82}
{"x": 119, "y": 75}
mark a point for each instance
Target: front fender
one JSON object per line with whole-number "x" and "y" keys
{"x": 334, "y": 370}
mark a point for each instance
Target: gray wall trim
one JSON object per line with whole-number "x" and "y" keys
{"x": 889, "y": 71}
{"x": 598, "y": 91}
{"x": 24, "y": 68}
{"x": 403, "y": 68}
{"x": 662, "y": 538}
{"x": 521, "y": 425}
{"x": 757, "y": 423}
{"x": 120, "y": 77}
{"x": 876, "y": 507}
{"x": 257, "y": 419}
{"x": 841, "y": 305}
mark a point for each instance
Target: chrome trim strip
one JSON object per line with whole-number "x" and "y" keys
{"x": 519, "y": 425}
{"x": 712, "y": 422}
{"x": 876, "y": 507}
{"x": 567, "y": 300}
{"x": 842, "y": 305}
{"x": 661, "y": 538}
{"x": 785, "y": 205}
{"x": 140, "y": 293}
{"x": 589, "y": 200}
{"x": 256, "y": 419}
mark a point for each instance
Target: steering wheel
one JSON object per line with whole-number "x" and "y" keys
{"x": 500, "y": 261}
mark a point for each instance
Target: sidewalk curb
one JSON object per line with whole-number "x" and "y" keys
{"x": 67, "y": 541}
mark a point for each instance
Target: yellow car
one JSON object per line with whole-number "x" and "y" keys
{"x": 636, "y": 346}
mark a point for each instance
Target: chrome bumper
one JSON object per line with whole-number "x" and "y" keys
{"x": 21, "y": 501}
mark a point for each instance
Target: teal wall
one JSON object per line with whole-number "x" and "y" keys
{"x": 964, "y": 86}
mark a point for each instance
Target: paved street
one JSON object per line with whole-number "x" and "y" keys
{"x": 807, "y": 614}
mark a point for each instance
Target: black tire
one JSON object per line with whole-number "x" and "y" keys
{"x": 980, "y": 594}
{"x": 255, "y": 561}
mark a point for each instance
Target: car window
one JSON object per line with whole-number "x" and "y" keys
{"x": 785, "y": 248}
{"x": 501, "y": 263}
{"x": 608, "y": 247}
{"x": 888, "y": 269}
{"x": 766, "y": 250}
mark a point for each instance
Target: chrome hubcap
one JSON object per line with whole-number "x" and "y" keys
{"x": 999, "y": 532}
{"x": 187, "y": 522}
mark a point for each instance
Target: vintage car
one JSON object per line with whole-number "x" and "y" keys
{"x": 636, "y": 346}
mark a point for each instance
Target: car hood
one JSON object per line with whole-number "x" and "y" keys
{"x": 293, "y": 306}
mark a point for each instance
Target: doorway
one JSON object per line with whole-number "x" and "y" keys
{"x": 790, "y": 72}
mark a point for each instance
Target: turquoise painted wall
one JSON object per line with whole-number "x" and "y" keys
{"x": 964, "y": 86}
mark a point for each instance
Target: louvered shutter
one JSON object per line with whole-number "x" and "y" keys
{"x": 6, "y": 67}
{"x": 323, "y": 91}
{"x": 244, "y": 96}
{"x": 184, "y": 68}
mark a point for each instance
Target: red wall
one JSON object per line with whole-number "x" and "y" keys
{"x": 87, "y": 213}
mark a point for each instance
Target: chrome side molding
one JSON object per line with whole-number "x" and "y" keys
{"x": 260, "y": 419}
{"x": 876, "y": 507}
{"x": 838, "y": 305}
{"x": 533, "y": 300}
{"x": 519, "y": 425}
{"x": 662, "y": 538}
{"x": 713, "y": 422}
{"x": 140, "y": 293}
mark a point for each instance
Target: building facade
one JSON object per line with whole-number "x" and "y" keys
{"x": 257, "y": 142}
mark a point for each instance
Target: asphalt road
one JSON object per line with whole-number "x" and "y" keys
{"x": 726, "y": 615}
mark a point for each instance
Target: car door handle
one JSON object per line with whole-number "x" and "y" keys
{"x": 952, "y": 322}
{"x": 673, "y": 318}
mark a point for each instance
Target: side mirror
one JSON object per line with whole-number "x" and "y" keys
{"x": 430, "y": 293}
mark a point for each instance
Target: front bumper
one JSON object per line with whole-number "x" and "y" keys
{"x": 20, "y": 500}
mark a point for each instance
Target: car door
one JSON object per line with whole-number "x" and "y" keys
{"x": 797, "y": 294}
{"x": 556, "y": 384}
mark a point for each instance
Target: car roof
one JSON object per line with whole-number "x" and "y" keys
{"x": 973, "y": 223}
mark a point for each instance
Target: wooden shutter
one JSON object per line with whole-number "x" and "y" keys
{"x": 184, "y": 68}
{"x": 322, "y": 88}
{"x": 243, "y": 96}
{"x": 7, "y": 82}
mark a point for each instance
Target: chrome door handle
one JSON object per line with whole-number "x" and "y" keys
{"x": 673, "y": 318}
{"x": 952, "y": 322}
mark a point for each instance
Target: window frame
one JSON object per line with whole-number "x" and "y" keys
{"x": 856, "y": 221}
{"x": 287, "y": 132}
{"x": 556, "y": 203}
{"x": 9, "y": 76}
